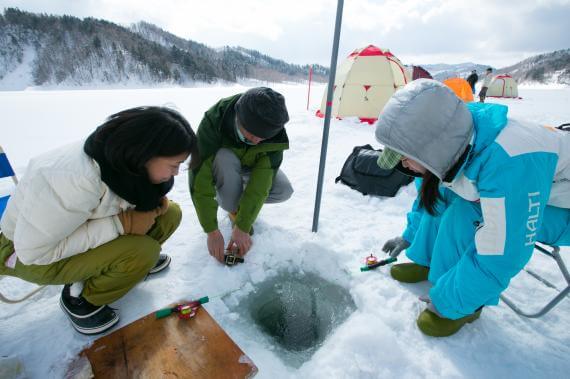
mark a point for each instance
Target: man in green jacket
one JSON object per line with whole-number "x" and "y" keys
{"x": 241, "y": 141}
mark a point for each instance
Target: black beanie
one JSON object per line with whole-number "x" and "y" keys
{"x": 262, "y": 112}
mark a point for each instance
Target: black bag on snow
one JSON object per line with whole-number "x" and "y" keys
{"x": 361, "y": 173}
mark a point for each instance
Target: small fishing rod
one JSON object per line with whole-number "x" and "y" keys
{"x": 184, "y": 310}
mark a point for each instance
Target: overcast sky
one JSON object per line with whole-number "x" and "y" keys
{"x": 493, "y": 32}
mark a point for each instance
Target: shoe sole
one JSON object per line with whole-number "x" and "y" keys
{"x": 100, "y": 329}
{"x": 164, "y": 265}
{"x": 90, "y": 331}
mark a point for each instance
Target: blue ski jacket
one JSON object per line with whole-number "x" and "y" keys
{"x": 514, "y": 170}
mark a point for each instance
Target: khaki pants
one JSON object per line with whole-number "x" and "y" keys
{"x": 231, "y": 178}
{"x": 108, "y": 271}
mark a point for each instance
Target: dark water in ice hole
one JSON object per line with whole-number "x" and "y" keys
{"x": 298, "y": 311}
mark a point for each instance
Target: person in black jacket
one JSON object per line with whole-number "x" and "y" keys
{"x": 472, "y": 79}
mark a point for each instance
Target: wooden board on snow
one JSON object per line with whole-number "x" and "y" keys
{"x": 166, "y": 348}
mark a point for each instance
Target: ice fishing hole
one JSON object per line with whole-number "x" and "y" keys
{"x": 297, "y": 311}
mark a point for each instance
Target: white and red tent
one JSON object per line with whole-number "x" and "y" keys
{"x": 503, "y": 86}
{"x": 364, "y": 83}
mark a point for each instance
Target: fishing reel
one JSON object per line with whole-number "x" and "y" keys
{"x": 231, "y": 259}
{"x": 371, "y": 259}
{"x": 186, "y": 311}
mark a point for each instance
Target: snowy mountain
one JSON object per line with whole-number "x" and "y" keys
{"x": 242, "y": 62}
{"x": 64, "y": 51}
{"x": 442, "y": 71}
{"x": 45, "y": 50}
{"x": 551, "y": 68}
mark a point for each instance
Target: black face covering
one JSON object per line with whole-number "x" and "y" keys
{"x": 400, "y": 167}
{"x": 136, "y": 189}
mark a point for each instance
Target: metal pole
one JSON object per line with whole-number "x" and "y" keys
{"x": 309, "y": 92}
{"x": 328, "y": 110}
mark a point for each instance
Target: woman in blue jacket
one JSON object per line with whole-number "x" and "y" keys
{"x": 491, "y": 188}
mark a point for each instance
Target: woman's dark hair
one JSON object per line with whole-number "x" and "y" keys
{"x": 134, "y": 136}
{"x": 429, "y": 191}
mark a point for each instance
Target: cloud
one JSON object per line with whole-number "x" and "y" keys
{"x": 391, "y": 15}
{"x": 482, "y": 31}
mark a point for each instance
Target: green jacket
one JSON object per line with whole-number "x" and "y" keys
{"x": 217, "y": 130}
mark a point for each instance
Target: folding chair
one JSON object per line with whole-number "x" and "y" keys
{"x": 554, "y": 253}
{"x": 5, "y": 172}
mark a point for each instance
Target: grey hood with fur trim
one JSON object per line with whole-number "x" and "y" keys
{"x": 428, "y": 123}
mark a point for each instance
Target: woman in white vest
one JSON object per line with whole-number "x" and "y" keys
{"x": 93, "y": 215}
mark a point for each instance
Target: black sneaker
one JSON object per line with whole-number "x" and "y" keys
{"x": 161, "y": 264}
{"x": 85, "y": 317}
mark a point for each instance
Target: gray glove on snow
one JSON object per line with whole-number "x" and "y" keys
{"x": 395, "y": 246}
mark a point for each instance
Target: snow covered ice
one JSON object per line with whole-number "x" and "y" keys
{"x": 378, "y": 340}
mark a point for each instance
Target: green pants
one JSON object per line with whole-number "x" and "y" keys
{"x": 108, "y": 271}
